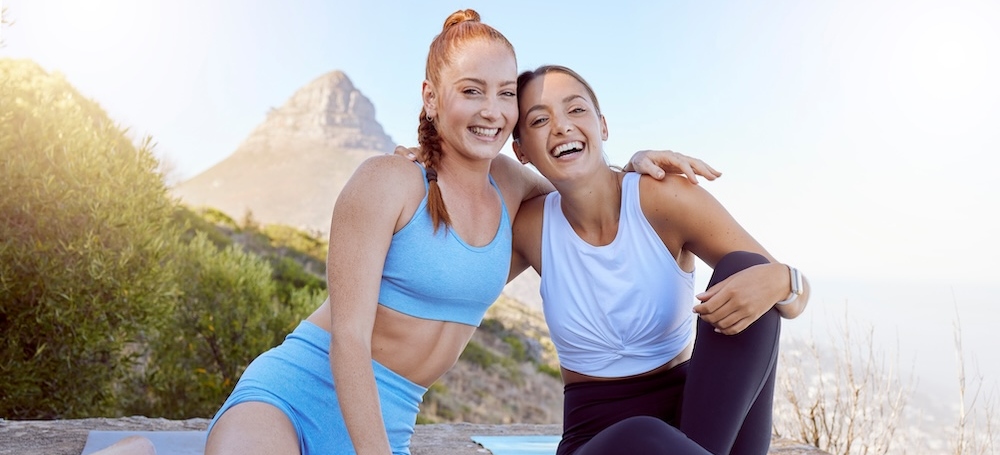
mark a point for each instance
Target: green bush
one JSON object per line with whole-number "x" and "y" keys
{"x": 286, "y": 237}
{"x": 518, "y": 351}
{"x": 476, "y": 354}
{"x": 85, "y": 242}
{"x": 227, "y": 313}
{"x": 191, "y": 223}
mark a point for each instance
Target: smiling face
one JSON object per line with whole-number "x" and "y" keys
{"x": 474, "y": 101}
{"x": 560, "y": 130}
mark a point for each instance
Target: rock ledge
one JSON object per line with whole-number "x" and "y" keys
{"x": 67, "y": 437}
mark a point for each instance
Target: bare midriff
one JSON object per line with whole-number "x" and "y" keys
{"x": 421, "y": 350}
{"x": 572, "y": 377}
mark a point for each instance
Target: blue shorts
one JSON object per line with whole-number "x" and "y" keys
{"x": 295, "y": 377}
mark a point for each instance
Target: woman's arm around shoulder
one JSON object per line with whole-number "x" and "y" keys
{"x": 517, "y": 182}
{"x": 690, "y": 220}
{"x": 375, "y": 202}
{"x": 527, "y": 233}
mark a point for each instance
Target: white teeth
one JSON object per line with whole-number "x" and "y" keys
{"x": 485, "y": 131}
{"x": 559, "y": 150}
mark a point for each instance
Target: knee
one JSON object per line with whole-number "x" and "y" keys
{"x": 742, "y": 260}
{"x": 734, "y": 262}
{"x": 641, "y": 433}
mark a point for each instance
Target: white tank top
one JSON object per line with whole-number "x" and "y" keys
{"x": 615, "y": 310}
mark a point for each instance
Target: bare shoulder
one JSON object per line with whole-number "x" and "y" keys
{"x": 672, "y": 190}
{"x": 385, "y": 175}
{"x": 385, "y": 184}
{"x": 383, "y": 166}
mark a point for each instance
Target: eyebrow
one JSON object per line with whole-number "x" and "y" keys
{"x": 564, "y": 100}
{"x": 482, "y": 82}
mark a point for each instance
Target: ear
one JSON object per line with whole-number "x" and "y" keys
{"x": 430, "y": 98}
{"x": 516, "y": 145}
{"x": 604, "y": 129}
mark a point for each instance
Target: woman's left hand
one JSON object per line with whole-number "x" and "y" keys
{"x": 736, "y": 302}
{"x": 659, "y": 163}
{"x": 410, "y": 153}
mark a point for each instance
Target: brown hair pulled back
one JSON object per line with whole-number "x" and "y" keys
{"x": 459, "y": 28}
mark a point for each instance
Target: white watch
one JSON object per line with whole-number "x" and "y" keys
{"x": 796, "y": 279}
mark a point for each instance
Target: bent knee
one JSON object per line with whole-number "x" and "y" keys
{"x": 741, "y": 260}
{"x": 252, "y": 428}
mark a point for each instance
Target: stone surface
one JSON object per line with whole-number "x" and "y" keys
{"x": 290, "y": 168}
{"x": 67, "y": 437}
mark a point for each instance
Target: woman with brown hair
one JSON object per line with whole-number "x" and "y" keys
{"x": 616, "y": 253}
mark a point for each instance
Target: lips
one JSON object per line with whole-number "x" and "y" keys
{"x": 566, "y": 149}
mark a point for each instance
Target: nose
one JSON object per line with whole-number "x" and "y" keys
{"x": 491, "y": 109}
{"x": 561, "y": 124}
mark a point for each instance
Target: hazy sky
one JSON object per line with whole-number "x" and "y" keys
{"x": 859, "y": 139}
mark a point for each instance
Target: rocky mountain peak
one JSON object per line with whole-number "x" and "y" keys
{"x": 291, "y": 167}
{"x": 331, "y": 109}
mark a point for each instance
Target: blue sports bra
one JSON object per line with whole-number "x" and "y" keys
{"x": 438, "y": 276}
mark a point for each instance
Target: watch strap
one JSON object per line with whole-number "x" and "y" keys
{"x": 796, "y": 283}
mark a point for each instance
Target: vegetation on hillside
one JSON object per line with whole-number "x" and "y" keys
{"x": 113, "y": 298}
{"x": 849, "y": 398}
{"x": 85, "y": 252}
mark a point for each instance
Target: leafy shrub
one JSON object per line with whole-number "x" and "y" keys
{"x": 477, "y": 354}
{"x": 86, "y": 237}
{"x": 550, "y": 370}
{"x": 286, "y": 237}
{"x": 226, "y": 314}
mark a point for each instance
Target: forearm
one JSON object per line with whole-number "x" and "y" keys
{"x": 359, "y": 399}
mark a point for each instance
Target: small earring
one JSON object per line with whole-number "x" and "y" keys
{"x": 430, "y": 119}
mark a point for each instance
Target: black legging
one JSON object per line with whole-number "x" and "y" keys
{"x": 720, "y": 400}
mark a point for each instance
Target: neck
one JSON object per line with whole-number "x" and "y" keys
{"x": 467, "y": 176}
{"x": 592, "y": 206}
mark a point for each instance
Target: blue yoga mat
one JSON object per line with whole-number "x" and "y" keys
{"x": 166, "y": 442}
{"x": 519, "y": 445}
{"x": 193, "y": 442}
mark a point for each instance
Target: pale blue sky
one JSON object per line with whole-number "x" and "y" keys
{"x": 858, "y": 139}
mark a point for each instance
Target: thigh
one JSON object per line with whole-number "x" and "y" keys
{"x": 253, "y": 428}
{"x": 591, "y": 408}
